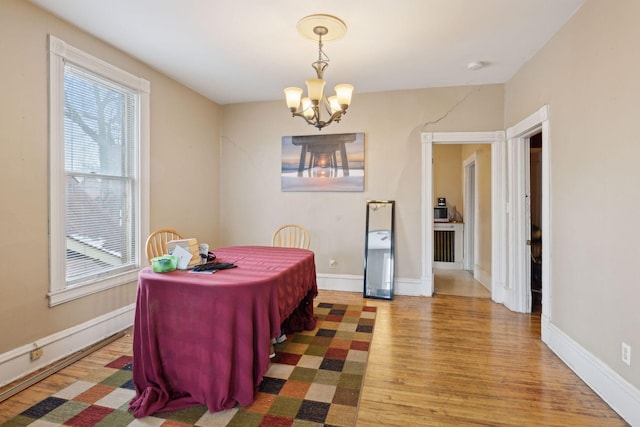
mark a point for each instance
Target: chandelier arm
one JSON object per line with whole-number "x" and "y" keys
{"x": 316, "y": 122}
{"x": 337, "y": 116}
{"x": 316, "y": 112}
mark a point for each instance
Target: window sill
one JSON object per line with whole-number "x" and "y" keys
{"x": 69, "y": 294}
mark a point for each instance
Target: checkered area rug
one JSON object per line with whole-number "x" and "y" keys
{"x": 314, "y": 380}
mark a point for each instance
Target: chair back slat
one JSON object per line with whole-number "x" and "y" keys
{"x": 291, "y": 236}
{"x": 157, "y": 242}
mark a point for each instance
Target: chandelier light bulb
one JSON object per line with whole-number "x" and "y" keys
{"x": 334, "y": 105}
{"x": 344, "y": 92}
{"x": 315, "y": 89}
{"x": 307, "y": 109}
{"x": 293, "y": 95}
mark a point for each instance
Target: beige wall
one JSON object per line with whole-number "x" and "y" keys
{"x": 588, "y": 74}
{"x": 392, "y": 123}
{"x": 447, "y": 175}
{"x": 184, "y": 153}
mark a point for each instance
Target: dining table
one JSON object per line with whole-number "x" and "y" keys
{"x": 205, "y": 338}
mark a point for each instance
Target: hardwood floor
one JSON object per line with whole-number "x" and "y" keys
{"x": 458, "y": 282}
{"x": 441, "y": 361}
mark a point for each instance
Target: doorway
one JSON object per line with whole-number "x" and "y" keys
{"x": 535, "y": 212}
{"x": 496, "y": 277}
{"x": 518, "y": 293}
{"x": 456, "y": 168}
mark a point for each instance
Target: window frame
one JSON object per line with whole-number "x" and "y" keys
{"x": 59, "y": 53}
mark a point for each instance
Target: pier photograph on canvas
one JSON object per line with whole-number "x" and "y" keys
{"x": 323, "y": 162}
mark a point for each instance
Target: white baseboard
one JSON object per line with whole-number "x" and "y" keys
{"x": 411, "y": 287}
{"x": 341, "y": 282}
{"x": 623, "y": 397}
{"x": 355, "y": 283}
{"x": 483, "y": 276}
{"x": 438, "y": 265}
{"x": 17, "y": 363}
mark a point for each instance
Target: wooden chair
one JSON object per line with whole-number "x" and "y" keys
{"x": 157, "y": 242}
{"x": 291, "y": 236}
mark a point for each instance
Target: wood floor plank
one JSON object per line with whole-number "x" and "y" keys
{"x": 441, "y": 361}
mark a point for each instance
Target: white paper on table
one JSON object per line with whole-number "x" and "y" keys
{"x": 183, "y": 255}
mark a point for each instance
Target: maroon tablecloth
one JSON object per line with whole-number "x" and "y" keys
{"x": 205, "y": 338}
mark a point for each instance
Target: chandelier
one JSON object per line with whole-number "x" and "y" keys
{"x": 310, "y": 108}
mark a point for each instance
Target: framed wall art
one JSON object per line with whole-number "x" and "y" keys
{"x": 323, "y": 162}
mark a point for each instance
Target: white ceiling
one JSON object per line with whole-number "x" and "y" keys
{"x": 249, "y": 50}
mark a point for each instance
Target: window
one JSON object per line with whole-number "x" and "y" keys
{"x": 98, "y": 148}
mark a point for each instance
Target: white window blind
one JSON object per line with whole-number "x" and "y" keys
{"x": 99, "y": 143}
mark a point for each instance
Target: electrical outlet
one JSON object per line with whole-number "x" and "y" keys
{"x": 332, "y": 263}
{"x": 36, "y": 354}
{"x": 626, "y": 353}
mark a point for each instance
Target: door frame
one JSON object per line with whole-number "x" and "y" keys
{"x": 498, "y": 203}
{"x": 470, "y": 203}
{"x": 518, "y": 293}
